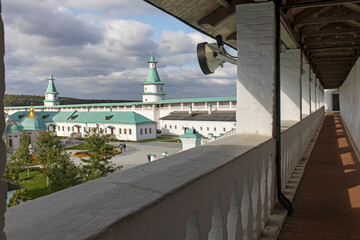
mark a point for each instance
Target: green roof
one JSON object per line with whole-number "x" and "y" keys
{"x": 13, "y": 128}
{"x": 29, "y": 123}
{"x": 51, "y": 87}
{"x": 87, "y": 117}
{"x": 183, "y": 100}
{"x": 191, "y": 133}
{"x": 152, "y": 59}
{"x": 153, "y": 77}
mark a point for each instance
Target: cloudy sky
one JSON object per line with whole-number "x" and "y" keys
{"x": 99, "y": 49}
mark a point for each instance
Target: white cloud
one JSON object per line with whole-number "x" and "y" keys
{"x": 93, "y": 56}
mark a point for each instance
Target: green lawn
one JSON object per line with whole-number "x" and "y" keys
{"x": 35, "y": 184}
{"x": 172, "y": 140}
{"x": 81, "y": 146}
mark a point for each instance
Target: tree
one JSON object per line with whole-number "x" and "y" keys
{"x": 99, "y": 154}
{"x": 60, "y": 171}
{"x": 63, "y": 173}
{"x": 22, "y": 156}
{"x": 21, "y": 194}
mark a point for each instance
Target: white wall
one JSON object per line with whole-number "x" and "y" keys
{"x": 128, "y": 131}
{"x": 350, "y": 102}
{"x": 145, "y": 131}
{"x": 176, "y": 127}
{"x": 290, "y": 84}
{"x": 305, "y": 90}
{"x": 255, "y": 27}
{"x": 329, "y": 99}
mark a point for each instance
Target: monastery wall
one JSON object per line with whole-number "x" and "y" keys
{"x": 349, "y": 103}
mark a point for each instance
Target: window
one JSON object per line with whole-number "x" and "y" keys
{"x": 63, "y": 128}
{"x": 215, "y": 129}
{"x": 124, "y": 130}
{"x": 105, "y": 130}
{"x": 68, "y": 129}
{"x": 200, "y": 128}
{"x": 224, "y": 129}
{"x": 145, "y": 130}
{"x": 58, "y": 128}
{"x": 119, "y": 130}
{"x": 207, "y": 128}
{"x": 145, "y": 89}
{"x": 165, "y": 126}
{"x": 175, "y": 127}
{"x": 141, "y": 131}
{"x": 170, "y": 126}
{"x": 72, "y": 129}
{"x": 149, "y": 130}
{"x": 129, "y": 131}
{"x": 84, "y": 129}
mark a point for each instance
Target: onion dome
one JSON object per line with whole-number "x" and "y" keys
{"x": 33, "y": 122}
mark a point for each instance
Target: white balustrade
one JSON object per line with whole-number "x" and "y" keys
{"x": 222, "y": 190}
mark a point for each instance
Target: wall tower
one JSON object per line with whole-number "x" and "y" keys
{"x": 153, "y": 87}
{"x": 51, "y": 94}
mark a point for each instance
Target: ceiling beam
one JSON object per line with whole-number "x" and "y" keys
{"x": 319, "y": 3}
{"x": 224, "y": 3}
{"x": 345, "y": 40}
{"x": 326, "y": 32}
{"x": 329, "y": 19}
{"x": 346, "y": 46}
{"x": 221, "y": 13}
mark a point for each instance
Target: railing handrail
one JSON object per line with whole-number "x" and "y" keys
{"x": 165, "y": 199}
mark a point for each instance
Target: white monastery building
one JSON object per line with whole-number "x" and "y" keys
{"x": 213, "y": 116}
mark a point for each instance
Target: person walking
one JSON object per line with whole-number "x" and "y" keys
{"x": 149, "y": 157}
{"x": 121, "y": 147}
{"x": 124, "y": 147}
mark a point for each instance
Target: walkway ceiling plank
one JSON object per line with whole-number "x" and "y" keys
{"x": 328, "y": 31}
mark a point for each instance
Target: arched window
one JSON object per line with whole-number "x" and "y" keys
{"x": 10, "y": 143}
{"x": 141, "y": 131}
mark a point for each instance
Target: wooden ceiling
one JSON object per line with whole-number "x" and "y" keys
{"x": 328, "y": 31}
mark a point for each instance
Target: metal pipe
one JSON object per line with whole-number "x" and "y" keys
{"x": 282, "y": 199}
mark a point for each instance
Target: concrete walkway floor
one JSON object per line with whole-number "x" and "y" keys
{"x": 327, "y": 203}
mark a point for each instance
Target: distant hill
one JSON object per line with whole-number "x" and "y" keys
{"x": 26, "y": 100}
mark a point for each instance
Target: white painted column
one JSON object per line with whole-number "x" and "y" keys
{"x": 255, "y": 27}
{"x": 290, "y": 84}
{"x": 305, "y": 90}
{"x": 316, "y": 93}
{"x": 3, "y": 187}
{"x": 312, "y": 90}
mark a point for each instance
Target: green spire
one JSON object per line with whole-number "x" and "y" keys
{"x": 51, "y": 87}
{"x": 152, "y": 59}
{"x": 153, "y": 75}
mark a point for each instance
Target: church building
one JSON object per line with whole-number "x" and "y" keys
{"x": 211, "y": 116}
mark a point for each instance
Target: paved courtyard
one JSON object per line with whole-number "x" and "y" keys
{"x": 136, "y": 153}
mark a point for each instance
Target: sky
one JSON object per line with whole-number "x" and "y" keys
{"x": 100, "y": 49}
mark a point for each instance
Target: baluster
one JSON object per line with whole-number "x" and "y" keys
{"x": 217, "y": 225}
{"x": 256, "y": 201}
{"x": 234, "y": 223}
{"x": 264, "y": 192}
{"x": 192, "y": 227}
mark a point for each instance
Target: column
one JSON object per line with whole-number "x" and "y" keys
{"x": 312, "y": 91}
{"x": 290, "y": 84}
{"x": 3, "y": 187}
{"x": 305, "y": 90}
{"x": 255, "y": 27}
